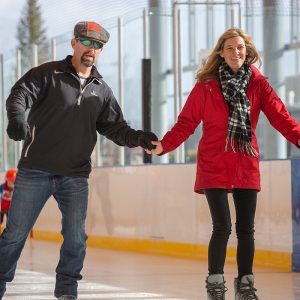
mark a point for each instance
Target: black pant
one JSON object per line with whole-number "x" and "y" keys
{"x": 245, "y": 206}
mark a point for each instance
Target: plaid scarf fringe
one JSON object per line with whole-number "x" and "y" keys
{"x": 245, "y": 147}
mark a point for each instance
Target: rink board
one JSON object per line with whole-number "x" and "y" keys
{"x": 153, "y": 209}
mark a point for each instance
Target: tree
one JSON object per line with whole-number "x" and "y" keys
{"x": 31, "y": 31}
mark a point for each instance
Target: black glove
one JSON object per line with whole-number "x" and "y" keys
{"x": 144, "y": 139}
{"x": 17, "y": 128}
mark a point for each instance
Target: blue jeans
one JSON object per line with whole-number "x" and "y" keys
{"x": 32, "y": 189}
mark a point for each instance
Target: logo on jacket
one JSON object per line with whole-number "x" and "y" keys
{"x": 94, "y": 93}
{"x": 58, "y": 72}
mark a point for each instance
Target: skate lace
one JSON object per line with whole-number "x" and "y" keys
{"x": 216, "y": 290}
{"x": 247, "y": 291}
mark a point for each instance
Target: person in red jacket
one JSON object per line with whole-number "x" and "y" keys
{"x": 227, "y": 99}
{"x": 6, "y": 191}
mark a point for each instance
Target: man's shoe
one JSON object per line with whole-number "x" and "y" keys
{"x": 67, "y": 297}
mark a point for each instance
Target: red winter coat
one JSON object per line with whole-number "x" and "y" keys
{"x": 217, "y": 168}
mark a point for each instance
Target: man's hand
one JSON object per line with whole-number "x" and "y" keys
{"x": 18, "y": 129}
{"x": 145, "y": 139}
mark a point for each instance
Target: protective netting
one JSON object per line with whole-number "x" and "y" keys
{"x": 274, "y": 7}
{"x": 255, "y": 7}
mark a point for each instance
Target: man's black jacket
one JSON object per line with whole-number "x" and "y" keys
{"x": 64, "y": 118}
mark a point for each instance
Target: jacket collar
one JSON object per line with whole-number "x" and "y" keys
{"x": 256, "y": 74}
{"x": 66, "y": 66}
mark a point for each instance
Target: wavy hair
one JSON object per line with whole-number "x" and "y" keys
{"x": 211, "y": 67}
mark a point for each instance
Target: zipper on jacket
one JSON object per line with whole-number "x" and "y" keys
{"x": 80, "y": 97}
{"x": 81, "y": 92}
{"x": 32, "y": 140}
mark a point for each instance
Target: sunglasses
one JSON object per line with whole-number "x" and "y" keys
{"x": 88, "y": 43}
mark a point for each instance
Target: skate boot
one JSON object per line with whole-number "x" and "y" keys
{"x": 67, "y": 297}
{"x": 215, "y": 286}
{"x": 244, "y": 288}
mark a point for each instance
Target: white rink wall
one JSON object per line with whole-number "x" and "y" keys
{"x": 157, "y": 203}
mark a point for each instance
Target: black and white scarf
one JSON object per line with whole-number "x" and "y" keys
{"x": 234, "y": 87}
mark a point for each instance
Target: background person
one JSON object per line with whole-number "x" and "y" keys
{"x": 6, "y": 192}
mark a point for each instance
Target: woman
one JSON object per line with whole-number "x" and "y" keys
{"x": 227, "y": 98}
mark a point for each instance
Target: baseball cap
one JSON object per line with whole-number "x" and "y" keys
{"x": 92, "y": 31}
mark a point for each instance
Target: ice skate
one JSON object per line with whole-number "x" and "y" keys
{"x": 215, "y": 286}
{"x": 244, "y": 288}
{"x": 67, "y": 297}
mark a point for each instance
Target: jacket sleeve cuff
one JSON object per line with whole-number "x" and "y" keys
{"x": 167, "y": 146}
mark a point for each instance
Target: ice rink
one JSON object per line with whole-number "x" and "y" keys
{"x": 109, "y": 274}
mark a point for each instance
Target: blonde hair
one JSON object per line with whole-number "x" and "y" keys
{"x": 211, "y": 67}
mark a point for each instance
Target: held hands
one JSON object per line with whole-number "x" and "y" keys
{"x": 18, "y": 129}
{"x": 157, "y": 150}
{"x": 150, "y": 143}
{"x": 145, "y": 139}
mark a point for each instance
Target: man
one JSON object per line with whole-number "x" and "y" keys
{"x": 69, "y": 102}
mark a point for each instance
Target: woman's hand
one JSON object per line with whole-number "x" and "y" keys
{"x": 158, "y": 150}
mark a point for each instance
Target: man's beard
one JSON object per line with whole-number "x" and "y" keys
{"x": 86, "y": 62}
